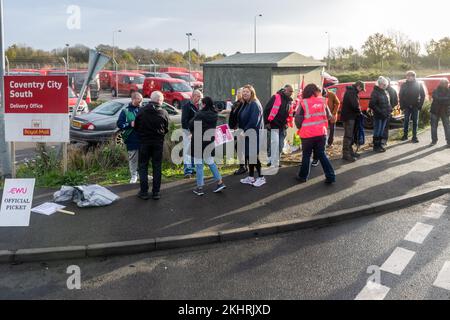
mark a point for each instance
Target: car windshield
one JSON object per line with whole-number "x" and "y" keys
{"x": 181, "y": 87}
{"x": 157, "y": 75}
{"x": 137, "y": 80}
{"x": 185, "y": 77}
{"x": 163, "y": 75}
{"x": 109, "y": 108}
{"x": 171, "y": 110}
{"x": 81, "y": 76}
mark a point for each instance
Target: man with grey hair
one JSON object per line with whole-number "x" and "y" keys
{"x": 276, "y": 114}
{"x": 412, "y": 98}
{"x": 188, "y": 112}
{"x": 152, "y": 125}
{"x": 130, "y": 137}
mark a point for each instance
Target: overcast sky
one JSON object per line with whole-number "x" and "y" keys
{"x": 225, "y": 25}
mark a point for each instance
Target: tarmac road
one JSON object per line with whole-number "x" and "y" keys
{"x": 327, "y": 263}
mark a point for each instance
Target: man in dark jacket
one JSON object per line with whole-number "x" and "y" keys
{"x": 412, "y": 98}
{"x": 152, "y": 124}
{"x": 381, "y": 107}
{"x": 130, "y": 137}
{"x": 393, "y": 99}
{"x": 188, "y": 112}
{"x": 351, "y": 110}
{"x": 276, "y": 114}
{"x": 440, "y": 111}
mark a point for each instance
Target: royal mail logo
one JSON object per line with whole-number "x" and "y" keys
{"x": 18, "y": 191}
{"x": 36, "y": 132}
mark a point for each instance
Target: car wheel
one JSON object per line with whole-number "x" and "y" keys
{"x": 176, "y": 104}
{"x": 114, "y": 93}
{"x": 118, "y": 139}
{"x": 368, "y": 121}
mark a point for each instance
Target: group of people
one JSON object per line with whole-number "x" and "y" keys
{"x": 246, "y": 115}
{"x": 314, "y": 112}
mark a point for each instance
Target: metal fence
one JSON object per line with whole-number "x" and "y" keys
{"x": 80, "y": 66}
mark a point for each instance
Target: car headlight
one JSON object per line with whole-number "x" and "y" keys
{"x": 185, "y": 96}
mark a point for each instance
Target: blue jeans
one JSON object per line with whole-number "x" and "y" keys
{"x": 316, "y": 144}
{"x": 414, "y": 114}
{"x": 378, "y": 127}
{"x": 276, "y": 138}
{"x": 200, "y": 174}
{"x": 187, "y": 159}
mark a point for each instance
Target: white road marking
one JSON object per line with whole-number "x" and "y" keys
{"x": 443, "y": 279}
{"x": 419, "y": 233}
{"x": 398, "y": 261}
{"x": 373, "y": 291}
{"x": 435, "y": 211}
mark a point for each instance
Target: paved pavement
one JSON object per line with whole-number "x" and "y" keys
{"x": 404, "y": 169}
{"x": 326, "y": 263}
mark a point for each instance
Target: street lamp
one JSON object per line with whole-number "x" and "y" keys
{"x": 67, "y": 60}
{"x": 258, "y": 15}
{"x": 114, "y": 61}
{"x": 198, "y": 45}
{"x": 189, "y": 35}
{"x": 329, "y": 50}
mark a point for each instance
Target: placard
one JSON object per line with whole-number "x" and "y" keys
{"x": 16, "y": 202}
{"x": 223, "y": 135}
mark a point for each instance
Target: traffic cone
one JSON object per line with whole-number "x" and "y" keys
{"x": 88, "y": 96}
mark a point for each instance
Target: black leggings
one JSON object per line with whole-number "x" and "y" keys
{"x": 251, "y": 168}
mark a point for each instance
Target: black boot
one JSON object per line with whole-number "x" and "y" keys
{"x": 376, "y": 148}
{"x": 242, "y": 169}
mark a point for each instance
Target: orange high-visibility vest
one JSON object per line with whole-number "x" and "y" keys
{"x": 315, "y": 123}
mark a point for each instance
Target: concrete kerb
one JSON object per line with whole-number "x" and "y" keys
{"x": 177, "y": 242}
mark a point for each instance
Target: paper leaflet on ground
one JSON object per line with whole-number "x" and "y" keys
{"x": 47, "y": 208}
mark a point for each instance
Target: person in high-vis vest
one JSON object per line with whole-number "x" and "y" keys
{"x": 130, "y": 137}
{"x": 312, "y": 120}
{"x": 276, "y": 117}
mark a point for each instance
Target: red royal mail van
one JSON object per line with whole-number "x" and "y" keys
{"x": 106, "y": 79}
{"x": 188, "y": 78}
{"x": 176, "y": 92}
{"x": 430, "y": 84}
{"x": 127, "y": 83}
{"x": 364, "y": 97}
{"x": 442, "y": 75}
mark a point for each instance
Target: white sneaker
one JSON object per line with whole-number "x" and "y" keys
{"x": 134, "y": 179}
{"x": 150, "y": 178}
{"x": 259, "y": 182}
{"x": 248, "y": 180}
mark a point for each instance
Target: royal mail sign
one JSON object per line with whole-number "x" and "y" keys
{"x": 36, "y": 109}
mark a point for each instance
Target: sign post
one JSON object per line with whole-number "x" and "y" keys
{"x": 5, "y": 150}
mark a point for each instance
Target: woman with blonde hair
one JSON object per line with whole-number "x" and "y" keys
{"x": 250, "y": 121}
{"x": 233, "y": 123}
